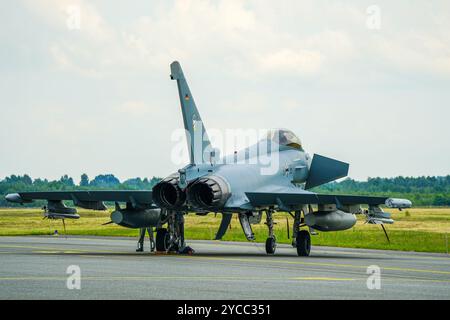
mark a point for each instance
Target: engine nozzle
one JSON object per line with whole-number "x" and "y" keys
{"x": 167, "y": 194}
{"x": 210, "y": 192}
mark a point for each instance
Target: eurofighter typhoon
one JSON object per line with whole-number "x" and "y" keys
{"x": 274, "y": 175}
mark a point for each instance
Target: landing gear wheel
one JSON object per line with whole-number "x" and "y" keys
{"x": 271, "y": 245}
{"x": 303, "y": 243}
{"x": 162, "y": 240}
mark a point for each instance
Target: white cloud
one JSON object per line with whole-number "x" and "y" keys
{"x": 312, "y": 66}
{"x": 64, "y": 62}
{"x": 289, "y": 61}
{"x": 135, "y": 108}
{"x": 415, "y": 52}
{"x": 238, "y": 32}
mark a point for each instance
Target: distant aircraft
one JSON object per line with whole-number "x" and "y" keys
{"x": 230, "y": 186}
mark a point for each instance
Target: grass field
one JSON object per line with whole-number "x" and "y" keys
{"x": 415, "y": 229}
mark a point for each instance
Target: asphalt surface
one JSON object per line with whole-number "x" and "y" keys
{"x": 36, "y": 268}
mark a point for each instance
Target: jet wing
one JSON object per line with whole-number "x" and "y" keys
{"x": 82, "y": 197}
{"x": 293, "y": 198}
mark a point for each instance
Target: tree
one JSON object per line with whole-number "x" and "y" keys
{"x": 27, "y": 180}
{"x": 67, "y": 181}
{"x": 105, "y": 180}
{"x": 420, "y": 190}
{"x": 84, "y": 180}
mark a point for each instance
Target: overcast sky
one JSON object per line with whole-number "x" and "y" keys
{"x": 367, "y": 82}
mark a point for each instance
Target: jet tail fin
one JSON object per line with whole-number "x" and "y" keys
{"x": 198, "y": 142}
{"x": 325, "y": 170}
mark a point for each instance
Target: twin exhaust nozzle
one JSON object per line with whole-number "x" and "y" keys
{"x": 207, "y": 193}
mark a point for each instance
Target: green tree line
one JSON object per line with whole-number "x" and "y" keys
{"x": 423, "y": 191}
{"x": 25, "y": 183}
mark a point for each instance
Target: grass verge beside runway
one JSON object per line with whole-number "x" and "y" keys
{"x": 417, "y": 229}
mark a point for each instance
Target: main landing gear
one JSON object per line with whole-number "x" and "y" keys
{"x": 301, "y": 238}
{"x": 162, "y": 240}
{"x": 172, "y": 238}
{"x": 303, "y": 243}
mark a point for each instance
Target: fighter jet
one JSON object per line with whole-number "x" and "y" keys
{"x": 241, "y": 184}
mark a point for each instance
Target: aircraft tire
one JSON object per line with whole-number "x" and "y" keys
{"x": 271, "y": 245}
{"x": 162, "y": 239}
{"x": 303, "y": 243}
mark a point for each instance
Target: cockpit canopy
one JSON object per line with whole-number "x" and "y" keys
{"x": 285, "y": 137}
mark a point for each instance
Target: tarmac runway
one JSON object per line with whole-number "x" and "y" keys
{"x": 36, "y": 268}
